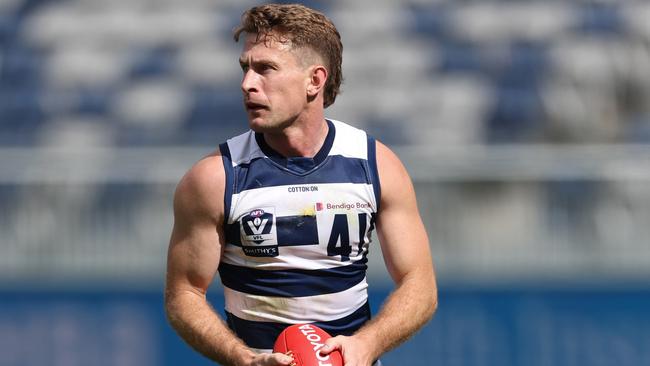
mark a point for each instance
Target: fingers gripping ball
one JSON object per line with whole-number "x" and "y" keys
{"x": 303, "y": 342}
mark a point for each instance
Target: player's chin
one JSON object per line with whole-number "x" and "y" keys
{"x": 256, "y": 122}
{"x": 258, "y": 125}
{"x": 261, "y": 125}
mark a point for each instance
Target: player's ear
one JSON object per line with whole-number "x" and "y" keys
{"x": 317, "y": 79}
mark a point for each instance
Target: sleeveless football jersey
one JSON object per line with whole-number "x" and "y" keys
{"x": 297, "y": 235}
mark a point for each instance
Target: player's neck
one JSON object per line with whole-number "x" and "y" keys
{"x": 302, "y": 138}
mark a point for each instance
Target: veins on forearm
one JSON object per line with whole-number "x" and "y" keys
{"x": 405, "y": 311}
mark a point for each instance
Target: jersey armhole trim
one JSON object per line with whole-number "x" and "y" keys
{"x": 374, "y": 172}
{"x": 229, "y": 183}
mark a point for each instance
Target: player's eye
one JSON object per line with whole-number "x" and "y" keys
{"x": 264, "y": 68}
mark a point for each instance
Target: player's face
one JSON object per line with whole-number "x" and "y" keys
{"x": 274, "y": 83}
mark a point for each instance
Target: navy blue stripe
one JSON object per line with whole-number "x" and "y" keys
{"x": 260, "y": 173}
{"x": 229, "y": 183}
{"x": 374, "y": 172}
{"x": 292, "y": 282}
{"x": 296, "y": 230}
{"x": 307, "y": 163}
{"x": 327, "y": 144}
{"x": 262, "y": 335}
{"x": 233, "y": 234}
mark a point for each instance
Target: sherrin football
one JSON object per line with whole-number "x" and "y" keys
{"x": 304, "y": 341}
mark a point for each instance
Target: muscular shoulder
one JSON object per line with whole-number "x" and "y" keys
{"x": 201, "y": 190}
{"x": 394, "y": 179}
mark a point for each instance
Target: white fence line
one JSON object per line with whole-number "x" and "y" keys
{"x": 474, "y": 162}
{"x": 501, "y": 213}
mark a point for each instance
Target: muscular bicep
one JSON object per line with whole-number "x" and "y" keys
{"x": 193, "y": 256}
{"x": 404, "y": 242}
{"x": 197, "y": 235}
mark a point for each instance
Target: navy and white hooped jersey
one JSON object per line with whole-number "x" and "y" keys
{"x": 297, "y": 235}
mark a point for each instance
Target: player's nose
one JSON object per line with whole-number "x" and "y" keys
{"x": 249, "y": 83}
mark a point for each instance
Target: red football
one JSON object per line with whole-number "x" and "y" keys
{"x": 304, "y": 341}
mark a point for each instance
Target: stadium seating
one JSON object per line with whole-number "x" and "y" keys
{"x": 524, "y": 124}
{"x": 81, "y": 57}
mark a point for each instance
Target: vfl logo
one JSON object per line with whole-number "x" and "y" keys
{"x": 258, "y": 234}
{"x": 257, "y": 225}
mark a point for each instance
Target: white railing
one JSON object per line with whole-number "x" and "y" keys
{"x": 493, "y": 212}
{"x": 425, "y": 163}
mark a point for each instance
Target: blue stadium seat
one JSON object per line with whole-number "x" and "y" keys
{"x": 431, "y": 21}
{"x": 94, "y": 101}
{"x": 21, "y": 115}
{"x": 460, "y": 57}
{"x": 8, "y": 29}
{"x": 516, "y": 116}
{"x": 21, "y": 66}
{"x": 391, "y": 132}
{"x": 217, "y": 112}
{"x": 320, "y": 5}
{"x": 600, "y": 18}
{"x": 153, "y": 62}
{"x": 526, "y": 64}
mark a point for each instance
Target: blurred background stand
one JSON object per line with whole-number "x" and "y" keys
{"x": 525, "y": 127}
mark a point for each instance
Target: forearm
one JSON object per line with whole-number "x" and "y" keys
{"x": 405, "y": 311}
{"x": 199, "y": 325}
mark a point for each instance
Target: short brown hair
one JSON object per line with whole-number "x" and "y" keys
{"x": 304, "y": 27}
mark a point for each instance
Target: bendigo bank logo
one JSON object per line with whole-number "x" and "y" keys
{"x": 343, "y": 206}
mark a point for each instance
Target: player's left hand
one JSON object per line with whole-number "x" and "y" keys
{"x": 355, "y": 351}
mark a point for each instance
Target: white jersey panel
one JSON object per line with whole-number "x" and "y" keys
{"x": 350, "y": 141}
{"x": 296, "y": 310}
{"x": 244, "y": 148}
